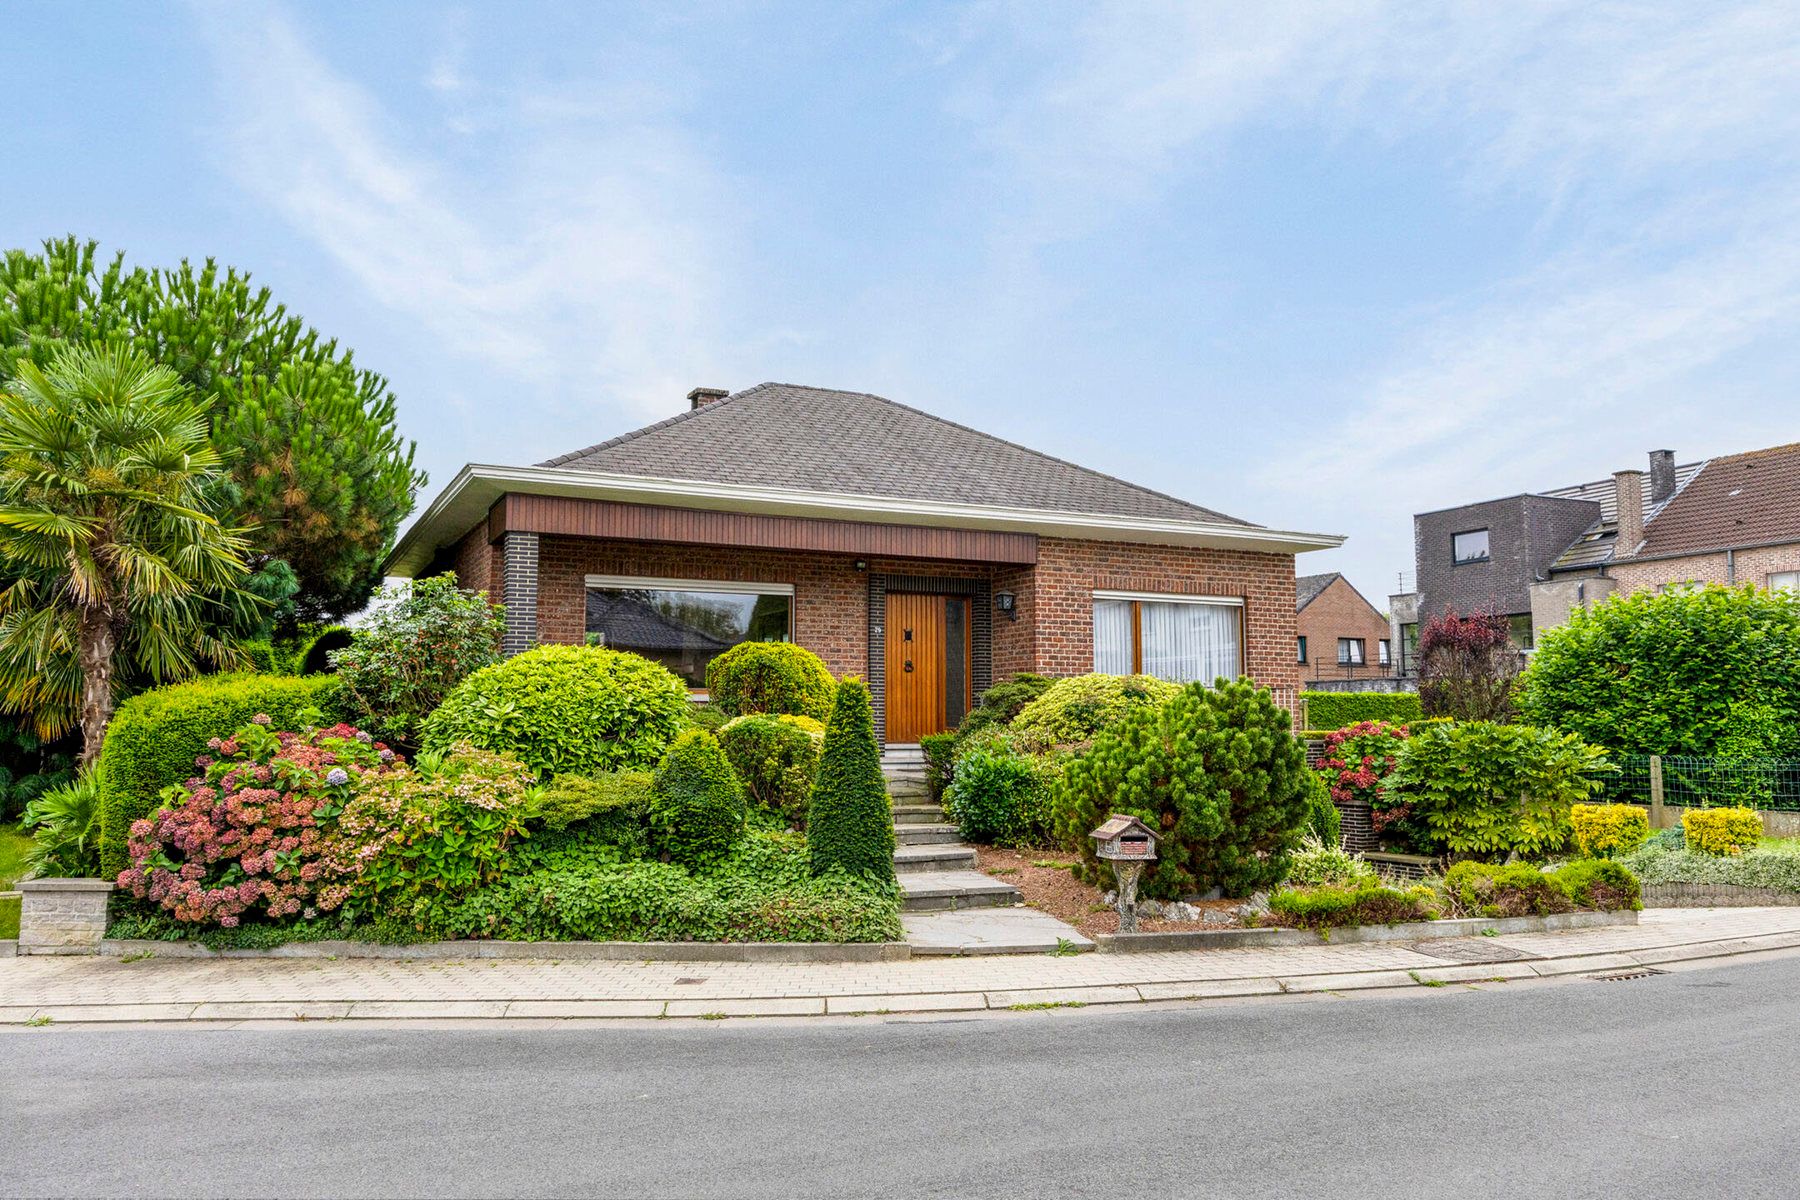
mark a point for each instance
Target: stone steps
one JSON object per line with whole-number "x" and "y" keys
{"x": 911, "y": 860}
{"x": 936, "y": 891}
{"x": 918, "y": 814}
{"x": 925, "y": 835}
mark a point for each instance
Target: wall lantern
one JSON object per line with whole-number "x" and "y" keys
{"x": 1128, "y": 844}
{"x": 1007, "y": 604}
{"x": 862, "y": 564}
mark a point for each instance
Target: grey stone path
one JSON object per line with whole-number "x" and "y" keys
{"x": 106, "y": 989}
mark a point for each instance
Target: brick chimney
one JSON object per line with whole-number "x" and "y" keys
{"x": 1628, "y": 500}
{"x": 1662, "y": 475}
{"x": 704, "y": 395}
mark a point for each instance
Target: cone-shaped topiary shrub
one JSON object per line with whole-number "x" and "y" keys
{"x": 1214, "y": 770}
{"x": 697, "y": 804}
{"x": 770, "y": 677}
{"x": 850, "y": 824}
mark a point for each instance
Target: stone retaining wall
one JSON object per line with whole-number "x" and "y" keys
{"x": 1715, "y": 895}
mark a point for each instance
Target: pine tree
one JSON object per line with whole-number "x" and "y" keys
{"x": 850, "y": 823}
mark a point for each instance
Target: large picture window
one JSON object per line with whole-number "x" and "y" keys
{"x": 684, "y": 623}
{"x": 1177, "y": 638}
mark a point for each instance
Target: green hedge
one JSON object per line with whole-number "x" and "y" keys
{"x": 155, "y": 737}
{"x": 1326, "y": 711}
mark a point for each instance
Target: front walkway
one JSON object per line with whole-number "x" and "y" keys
{"x": 112, "y": 990}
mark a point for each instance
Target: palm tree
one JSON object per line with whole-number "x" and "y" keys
{"x": 110, "y": 555}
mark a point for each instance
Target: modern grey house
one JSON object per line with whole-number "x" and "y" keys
{"x": 1535, "y": 556}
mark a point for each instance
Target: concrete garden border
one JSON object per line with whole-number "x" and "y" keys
{"x": 789, "y": 952}
{"x": 1410, "y": 931}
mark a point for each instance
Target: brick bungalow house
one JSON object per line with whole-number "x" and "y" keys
{"x": 920, "y": 554}
{"x": 1340, "y": 634}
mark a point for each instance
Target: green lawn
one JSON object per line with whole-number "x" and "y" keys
{"x": 12, "y": 865}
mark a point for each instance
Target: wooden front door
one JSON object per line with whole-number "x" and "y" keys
{"x": 928, "y": 649}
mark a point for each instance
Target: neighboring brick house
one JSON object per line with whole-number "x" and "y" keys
{"x": 1339, "y": 634}
{"x": 920, "y": 554}
{"x": 1536, "y": 557}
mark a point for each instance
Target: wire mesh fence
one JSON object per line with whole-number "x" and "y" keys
{"x": 1771, "y": 784}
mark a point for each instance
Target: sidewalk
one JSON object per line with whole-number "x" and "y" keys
{"x": 101, "y": 989}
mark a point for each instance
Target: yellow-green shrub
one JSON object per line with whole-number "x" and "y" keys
{"x": 1722, "y": 830}
{"x": 1608, "y": 830}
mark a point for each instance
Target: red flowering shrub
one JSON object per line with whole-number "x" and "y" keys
{"x": 256, "y": 832}
{"x": 1356, "y": 759}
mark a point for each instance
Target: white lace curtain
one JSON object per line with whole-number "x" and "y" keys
{"x": 1182, "y": 641}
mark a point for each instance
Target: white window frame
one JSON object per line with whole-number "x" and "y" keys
{"x": 1237, "y": 602}
{"x": 1780, "y": 581}
{"x": 730, "y": 587}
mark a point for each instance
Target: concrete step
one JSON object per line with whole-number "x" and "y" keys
{"x": 913, "y": 859}
{"x": 915, "y": 774}
{"x": 937, "y": 891}
{"x": 926, "y": 835}
{"x": 990, "y": 930}
{"x": 918, "y": 814}
{"x": 907, "y": 788}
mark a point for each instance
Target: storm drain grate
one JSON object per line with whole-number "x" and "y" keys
{"x": 1621, "y": 976}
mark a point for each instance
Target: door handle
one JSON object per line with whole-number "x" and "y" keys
{"x": 909, "y": 664}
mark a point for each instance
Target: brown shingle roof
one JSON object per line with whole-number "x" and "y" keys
{"x": 1307, "y": 588}
{"x": 1739, "y": 500}
{"x": 811, "y": 439}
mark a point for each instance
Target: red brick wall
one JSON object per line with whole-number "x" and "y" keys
{"x": 1751, "y": 566}
{"x": 477, "y": 564}
{"x": 1069, "y": 571}
{"x": 1054, "y": 633}
{"x": 1339, "y": 612}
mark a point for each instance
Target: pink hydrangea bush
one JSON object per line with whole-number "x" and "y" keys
{"x": 1356, "y": 759}
{"x": 258, "y": 831}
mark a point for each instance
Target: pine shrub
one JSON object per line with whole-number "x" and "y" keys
{"x": 697, "y": 806}
{"x": 1074, "y": 710}
{"x": 851, "y": 822}
{"x": 1215, "y": 771}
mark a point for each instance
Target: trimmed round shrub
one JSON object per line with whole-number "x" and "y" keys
{"x": 155, "y": 736}
{"x": 1218, "y": 775}
{"x": 1001, "y": 796}
{"x": 1599, "y": 883}
{"x": 776, "y": 757}
{"x": 1074, "y": 710}
{"x": 850, "y": 823}
{"x": 1608, "y": 830}
{"x": 696, "y": 803}
{"x": 770, "y": 677}
{"x": 559, "y": 709}
{"x": 1002, "y": 702}
{"x": 1721, "y": 830}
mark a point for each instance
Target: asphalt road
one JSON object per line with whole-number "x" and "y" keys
{"x": 1671, "y": 1086}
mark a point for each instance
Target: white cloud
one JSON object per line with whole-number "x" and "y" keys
{"x": 1661, "y": 143}
{"x": 582, "y": 258}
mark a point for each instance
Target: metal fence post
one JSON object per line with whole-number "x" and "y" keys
{"x": 1658, "y": 815}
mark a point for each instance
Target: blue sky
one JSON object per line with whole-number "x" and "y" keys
{"x": 1317, "y": 265}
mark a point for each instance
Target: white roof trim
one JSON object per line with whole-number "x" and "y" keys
{"x": 465, "y": 502}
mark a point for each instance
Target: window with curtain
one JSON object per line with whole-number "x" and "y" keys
{"x": 1171, "y": 638}
{"x": 1350, "y": 652}
{"x": 685, "y": 624}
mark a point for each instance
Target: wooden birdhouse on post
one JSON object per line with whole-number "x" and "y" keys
{"x": 1128, "y": 844}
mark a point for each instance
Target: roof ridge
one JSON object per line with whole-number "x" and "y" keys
{"x": 768, "y": 384}
{"x": 634, "y": 434}
{"x": 994, "y": 437}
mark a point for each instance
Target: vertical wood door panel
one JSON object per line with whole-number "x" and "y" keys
{"x": 915, "y": 666}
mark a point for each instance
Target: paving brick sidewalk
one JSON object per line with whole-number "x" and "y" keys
{"x": 109, "y": 989}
